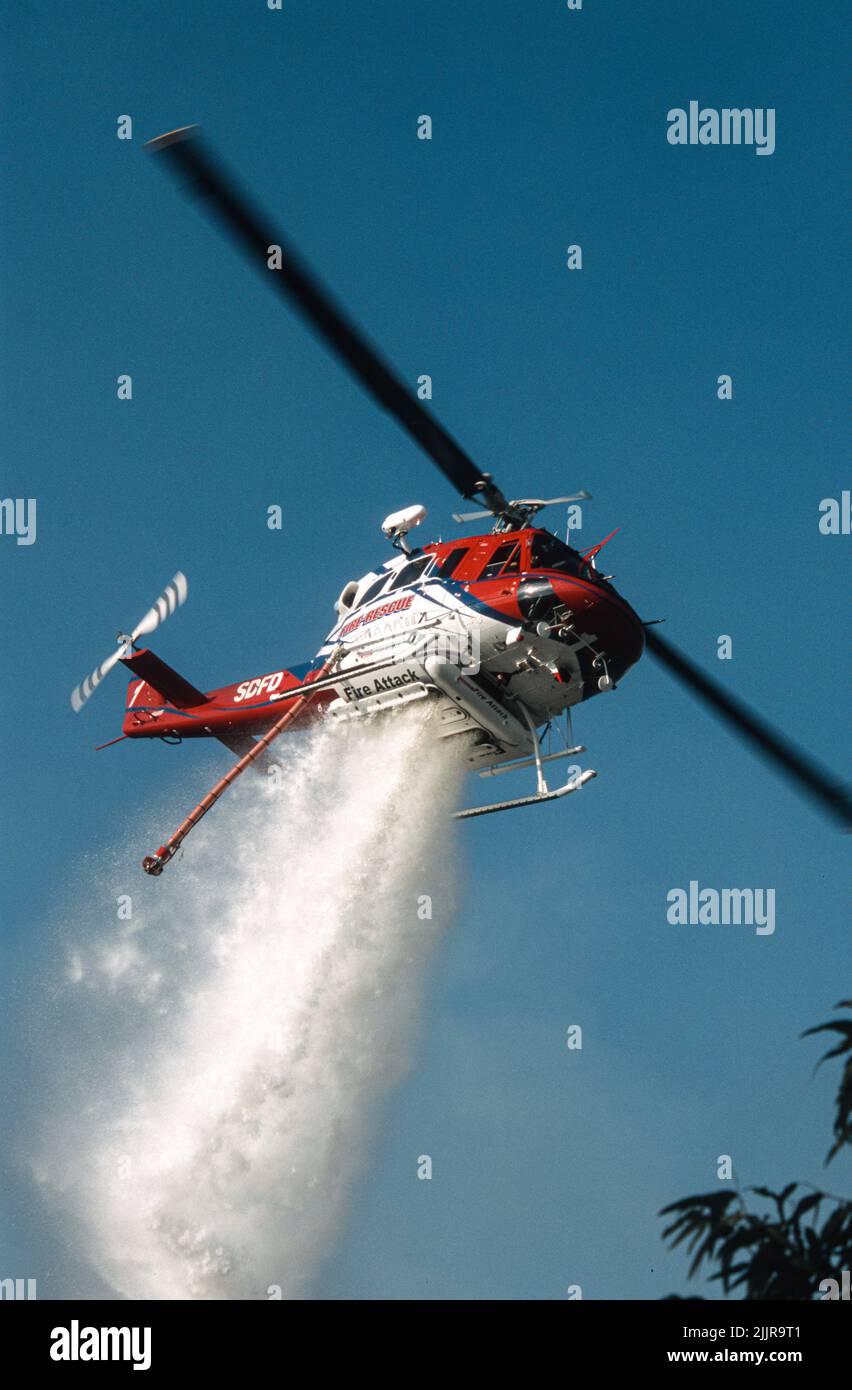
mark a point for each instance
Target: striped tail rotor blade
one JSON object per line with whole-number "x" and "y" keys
{"x": 80, "y": 695}
{"x": 169, "y": 601}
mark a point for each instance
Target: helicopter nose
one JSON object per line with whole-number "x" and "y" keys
{"x": 613, "y": 629}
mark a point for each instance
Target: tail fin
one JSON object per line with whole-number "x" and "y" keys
{"x": 158, "y": 684}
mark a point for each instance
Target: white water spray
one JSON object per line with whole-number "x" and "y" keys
{"x": 225, "y": 1048}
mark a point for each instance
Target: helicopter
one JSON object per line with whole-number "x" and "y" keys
{"x": 499, "y": 635}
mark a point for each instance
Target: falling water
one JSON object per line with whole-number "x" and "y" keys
{"x": 219, "y": 1056}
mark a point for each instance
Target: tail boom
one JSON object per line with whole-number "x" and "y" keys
{"x": 162, "y": 703}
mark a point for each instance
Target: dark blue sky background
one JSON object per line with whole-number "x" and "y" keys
{"x": 549, "y": 129}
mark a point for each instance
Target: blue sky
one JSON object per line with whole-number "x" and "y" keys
{"x": 549, "y": 129}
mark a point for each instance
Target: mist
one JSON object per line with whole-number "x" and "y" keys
{"x": 216, "y": 1060}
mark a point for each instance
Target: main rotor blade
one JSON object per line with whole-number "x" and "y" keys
{"x": 817, "y": 784}
{"x": 252, "y": 231}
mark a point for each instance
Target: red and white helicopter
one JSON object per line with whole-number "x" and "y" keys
{"x": 503, "y": 634}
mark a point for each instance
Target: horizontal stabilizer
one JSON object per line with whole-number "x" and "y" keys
{"x": 163, "y": 679}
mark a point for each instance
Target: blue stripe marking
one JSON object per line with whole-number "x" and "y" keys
{"x": 300, "y": 672}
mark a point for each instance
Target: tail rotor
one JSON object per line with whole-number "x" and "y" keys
{"x": 168, "y": 602}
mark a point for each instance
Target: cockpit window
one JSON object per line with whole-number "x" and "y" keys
{"x": 506, "y": 560}
{"x": 548, "y": 553}
{"x": 513, "y": 564}
{"x": 449, "y": 566}
{"x": 373, "y": 590}
{"x": 410, "y": 573}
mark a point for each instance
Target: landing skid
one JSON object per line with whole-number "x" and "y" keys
{"x": 542, "y": 792}
{"x": 573, "y": 786}
{"x": 496, "y": 735}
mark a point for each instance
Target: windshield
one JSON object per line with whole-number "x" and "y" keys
{"x": 373, "y": 590}
{"x": 410, "y": 573}
{"x": 548, "y": 553}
